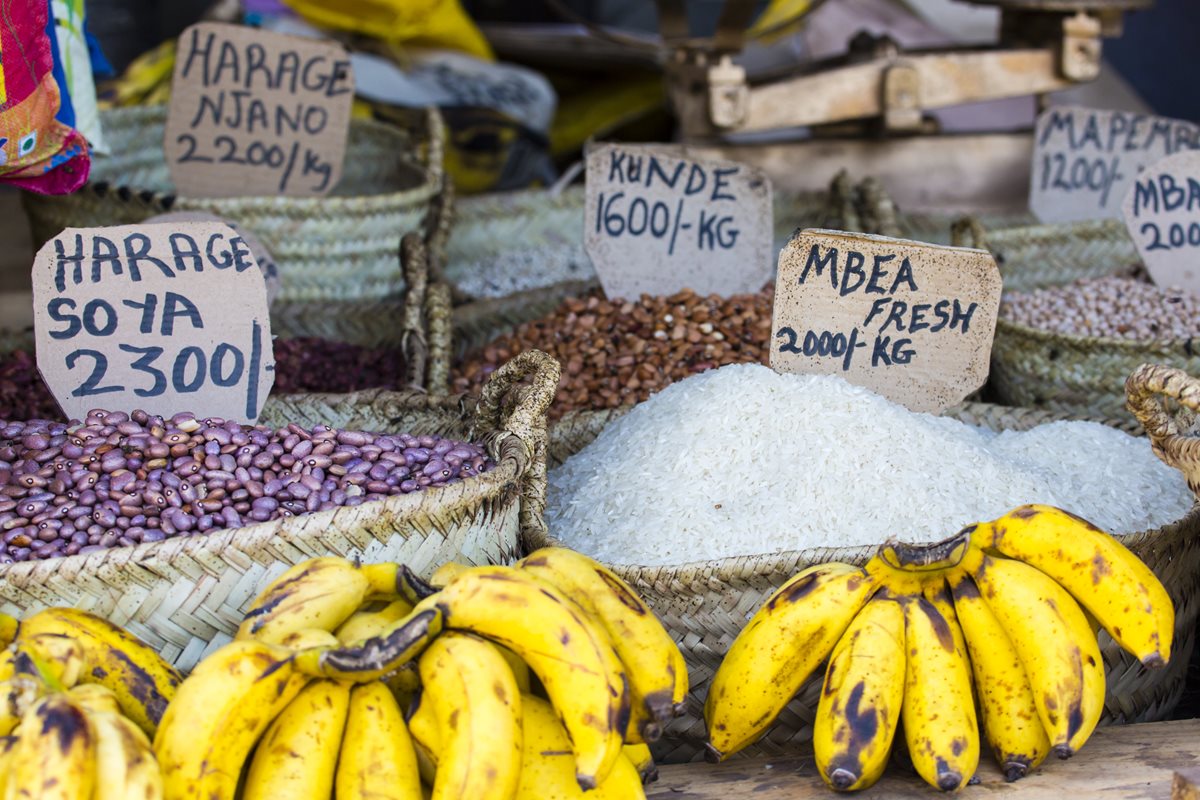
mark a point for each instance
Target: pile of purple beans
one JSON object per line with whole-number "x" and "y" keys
{"x": 120, "y": 479}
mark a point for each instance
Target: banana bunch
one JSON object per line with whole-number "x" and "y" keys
{"x": 994, "y": 628}
{"x": 79, "y": 700}
{"x": 546, "y": 679}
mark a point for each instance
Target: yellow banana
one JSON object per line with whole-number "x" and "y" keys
{"x": 55, "y": 755}
{"x": 1055, "y": 643}
{"x": 8, "y": 629}
{"x": 7, "y": 662}
{"x": 548, "y": 770}
{"x": 17, "y": 694}
{"x": 478, "y": 710}
{"x": 1011, "y": 723}
{"x": 520, "y": 669}
{"x": 298, "y": 754}
{"x": 377, "y": 759}
{"x": 657, "y": 672}
{"x": 95, "y": 699}
{"x": 938, "y": 711}
{"x": 61, "y": 657}
{"x": 309, "y": 638}
{"x": 426, "y": 738}
{"x": 405, "y": 683}
{"x": 8, "y": 746}
{"x": 125, "y": 765}
{"x": 781, "y": 646}
{"x": 1100, "y": 573}
{"x": 364, "y": 625}
{"x": 446, "y": 573}
{"x": 643, "y": 761}
{"x": 218, "y": 714}
{"x": 142, "y": 681}
{"x": 380, "y": 656}
{"x": 318, "y": 593}
{"x": 861, "y": 698}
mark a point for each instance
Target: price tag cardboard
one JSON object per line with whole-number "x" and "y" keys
{"x": 1162, "y": 212}
{"x": 1085, "y": 159}
{"x": 655, "y": 223}
{"x": 166, "y": 318}
{"x": 257, "y": 113}
{"x": 911, "y": 321}
{"x": 262, "y": 256}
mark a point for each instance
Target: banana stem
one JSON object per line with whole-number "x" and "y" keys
{"x": 927, "y": 557}
{"x": 378, "y": 656}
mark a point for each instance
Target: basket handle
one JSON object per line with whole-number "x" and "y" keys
{"x": 524, "y": 417}
{"x": 439, "y": 218}
{"x": 840, "y": 213}
{"x": 1146, "y": 391}
{"x": 413, "y": 345}
{"x": 877, "y": 210}
{"x": 440, "y": 330}
{"x": 968, "y": 226}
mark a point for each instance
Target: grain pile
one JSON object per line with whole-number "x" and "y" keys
{"x": 1110, "y": 307}
{"x": 742, "y": 461}
{"x": 617, "y": 352}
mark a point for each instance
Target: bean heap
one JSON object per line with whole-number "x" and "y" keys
{"x": 616, "y": 352}
{"x": 306, "y": 364}
{"x": 121, "y": 479}
{"x": 1114, "y": 307}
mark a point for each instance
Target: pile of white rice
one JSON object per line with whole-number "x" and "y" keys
{"x": 741, "y": 460}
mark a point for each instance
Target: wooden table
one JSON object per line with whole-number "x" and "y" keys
{"x": 1123, "y": 761}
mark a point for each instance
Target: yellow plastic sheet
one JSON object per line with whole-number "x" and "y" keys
{"x": 424, "y": 23}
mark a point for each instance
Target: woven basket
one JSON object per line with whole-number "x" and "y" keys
{"x": 185, "y": 596}
{"x": 704, "y": 605}
{"x": 338, "y": 247}
{"x": 1037, "y": 256}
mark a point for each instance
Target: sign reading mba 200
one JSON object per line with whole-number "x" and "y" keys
{"x": 165, "y": 318}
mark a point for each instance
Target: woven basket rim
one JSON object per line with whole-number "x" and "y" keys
{"x": 507, "y": 472}
{"x": 1133, "y": 346}
{"x": 315, "y": 206}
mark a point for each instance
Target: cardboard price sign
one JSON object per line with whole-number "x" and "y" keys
{"x": 657, "y": 223}
{"x": 1085, "y": 160}
{"x": 1162, "y": 212}
{"x": 262, "y": 256}
{"x": 166, "y": 318}
{"x": 911, "y": 321}
{"x": 257, "y": 113}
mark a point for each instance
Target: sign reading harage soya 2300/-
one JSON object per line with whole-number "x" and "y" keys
{"x": 1085, "y": 160}
{"x": 911, "y": 321}
{"x": 257, "y": 113}
{"x": 164, "y": 318}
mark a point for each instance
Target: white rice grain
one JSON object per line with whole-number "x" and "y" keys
{"x": 742, "y": 461}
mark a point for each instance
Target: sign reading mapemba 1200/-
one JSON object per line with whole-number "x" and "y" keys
{"x": 165, "y": 318}
{"x": 656, "y": 223}
{"x": 911, "y": 321}
{"x": 257, "y": 113}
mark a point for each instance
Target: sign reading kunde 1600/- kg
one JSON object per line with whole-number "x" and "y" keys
{"x": 911, "y": 321}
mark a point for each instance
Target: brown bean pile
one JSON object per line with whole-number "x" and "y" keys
{"x": 306, "y": 364}
{"x": 121, "y": 479}
{"x": 1110, "y": 307}
{"x": 615, "y": 352}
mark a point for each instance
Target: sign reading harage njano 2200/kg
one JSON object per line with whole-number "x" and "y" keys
{"x": 165, "y": 318}
{"x": 257, "y": 113}
{"x": 911, "y": 321}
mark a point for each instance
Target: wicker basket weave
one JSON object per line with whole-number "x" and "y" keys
{"x": 185, "y": 596}
{"x": 704, "y": 605}
{"x": 1072, "y": 374}
{"x": 338, "y": 247}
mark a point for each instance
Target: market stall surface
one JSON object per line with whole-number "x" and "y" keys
{"x": 1125, "y": 762}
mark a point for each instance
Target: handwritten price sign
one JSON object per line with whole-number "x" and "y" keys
{"x": 1162, "y": 213}
{"x": 257, "y": 113}
{"x": 908, "y": 320}
{"x": 1085, "y": 160}
{"x": 165, "y": 318}
{"x": 657, "y": 223}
